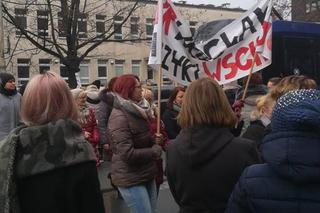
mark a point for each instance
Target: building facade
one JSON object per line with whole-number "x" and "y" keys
{"x": 306, "y": 10}
{"x": 110, "y": 58}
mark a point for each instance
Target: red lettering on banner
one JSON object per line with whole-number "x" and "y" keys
{"x": 233, "y": 66}
{"x": 266, "y": 27}
{"x": 168, "y": 16}
{"x": 238, "y": 64}
{"x": 248, "y": 64}
{"x": 214, "y": 75}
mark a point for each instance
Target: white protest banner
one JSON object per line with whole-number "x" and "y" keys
{"x": 227, "y": 56}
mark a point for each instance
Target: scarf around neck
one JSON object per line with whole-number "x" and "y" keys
{"x": 7, "y": 92}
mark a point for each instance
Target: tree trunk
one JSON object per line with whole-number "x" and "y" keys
{"x": 72, "y": 64}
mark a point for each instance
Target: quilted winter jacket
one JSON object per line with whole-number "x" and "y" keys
{"x": 289, "y": 181}
{"x": 134, "y": 152}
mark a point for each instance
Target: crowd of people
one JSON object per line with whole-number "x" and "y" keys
{"x": 228, "y": 149}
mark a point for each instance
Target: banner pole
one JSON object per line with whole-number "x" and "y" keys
{"x": 249, "y": 77}
{"x": 159, "y": 99}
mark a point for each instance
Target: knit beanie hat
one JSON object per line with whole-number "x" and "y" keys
{"x": 297, "y": 110}
{"x": 5, "y": 77}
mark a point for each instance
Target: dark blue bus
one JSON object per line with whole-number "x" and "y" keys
{"x": 295, "y": 50}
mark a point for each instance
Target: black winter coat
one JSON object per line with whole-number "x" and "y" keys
{"x": 203, "y": 165}
{"x": 255, "y": 132}
{"x": 169, "y": 119}
{"x": 72, "y": 189}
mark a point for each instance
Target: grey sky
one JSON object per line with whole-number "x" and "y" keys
{"x": 245, "y": 4}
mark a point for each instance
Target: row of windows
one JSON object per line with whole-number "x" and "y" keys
{"x": 313, "y": 5}
{"x": 42, "y": 24}
{"x": 44, "y": 64}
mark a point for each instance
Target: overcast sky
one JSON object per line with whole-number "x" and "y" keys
{"x": 245, "y": 4}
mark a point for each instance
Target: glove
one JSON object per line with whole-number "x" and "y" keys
{"x": 157, "y": 151}
{"x": 237, "y": 106}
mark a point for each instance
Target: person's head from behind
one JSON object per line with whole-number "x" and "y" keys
{"x": 265, "y": 105}
{"x": 297, "y": 110}
{"x": 256, "y": 79}
{"x": 80, "y": 96}
{"x": 273, "y": 82}
{"x": 128, "y": 87}
{"x": 176, "y": 97}
{"x": 205, "y": 103}
{"x": 47, "y": 98}
{"x": 111, "y": 84}
{"x": 148, "y": 95}
{"x": 292, "y": 82}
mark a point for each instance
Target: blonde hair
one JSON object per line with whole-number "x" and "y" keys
{"x": 47, "y": 98}
{"x": 206, "y": 103}
{"x": 78, "y": 93}
{"x": 292, "y": 82}
{"x": 147, "y": 94}
{"x": 261, "y": 103}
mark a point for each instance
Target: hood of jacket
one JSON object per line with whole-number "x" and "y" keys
{"x": 140, "y": 110}
{"x": 50, "y": 146}
{"x": 293, "y": 155}
{"x": 198, "y": 144}
{"x": 107, "y": 97}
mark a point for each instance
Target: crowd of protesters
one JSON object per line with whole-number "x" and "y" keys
{"x": 228, "y": 149}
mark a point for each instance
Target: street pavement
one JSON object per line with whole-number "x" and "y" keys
{"x": 113, "y": 204}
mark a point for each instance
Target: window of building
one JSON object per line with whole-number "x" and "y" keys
{"x": 119, "y": 67}
{"x": 134, "y": 30}
{"x": 84, "y": 72}
{"x": 314, "y": 5}
{"x": 193, "y": 25}
{"x": 150, "y": 73}
{"x": 136, "y": 67}
{"x": 21, "y": 19}
{"x": 118, "y": 27}
{"x": 61, "y": 26}
{"x": 102, "y": 71}
{"x": 42, "y": 21}
{"x": 149, "y": 27}
{"x": 44, "y": 65}
{"x": 308, "y": 7}
{"x": 82, "y": 25}
{"x": 100, "y": 24}
{"x": 23, "y": 71}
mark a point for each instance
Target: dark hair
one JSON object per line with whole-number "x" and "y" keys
{"x": 111, "y": 84}
{"x": 275, "y": 80}
{"x": 256, "y": 79}
{"x": 174, "y": 95}
{"x": 125, "y": 85}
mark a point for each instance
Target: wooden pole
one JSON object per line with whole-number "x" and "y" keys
{"x": 159, "y": 99}
{"x": 247, "y": 83}
{"x": 249, "y": 78}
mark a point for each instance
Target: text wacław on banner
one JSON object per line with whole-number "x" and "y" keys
{"x": 226, "y": 57}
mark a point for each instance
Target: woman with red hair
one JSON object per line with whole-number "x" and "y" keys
{"x": 135, "y": 150}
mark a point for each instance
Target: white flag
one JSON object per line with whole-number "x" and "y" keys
{"x": 226, "y": 56}
{"x": 155, "y": 50}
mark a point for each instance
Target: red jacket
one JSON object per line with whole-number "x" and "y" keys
{"x": 90, "y": 125}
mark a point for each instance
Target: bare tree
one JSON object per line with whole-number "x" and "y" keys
{"x": 68, "y": 29}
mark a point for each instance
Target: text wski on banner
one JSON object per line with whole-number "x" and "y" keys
{"x": 227, "y": 56}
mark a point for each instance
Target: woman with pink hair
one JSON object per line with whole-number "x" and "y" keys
{"x": 47, "y": 165}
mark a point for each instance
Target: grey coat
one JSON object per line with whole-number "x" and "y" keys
{"x": 9, "y": 113}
